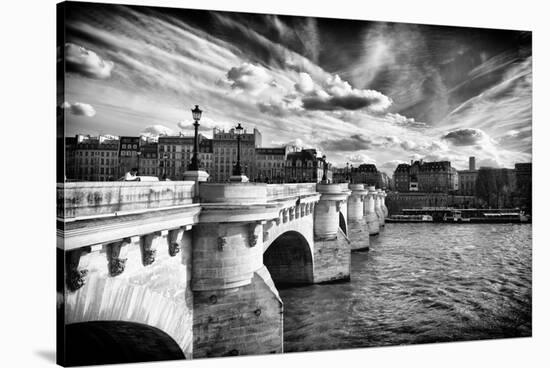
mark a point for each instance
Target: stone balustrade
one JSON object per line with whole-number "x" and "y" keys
{"x": 88, "y": 199}
{"x": 283, "y": 191}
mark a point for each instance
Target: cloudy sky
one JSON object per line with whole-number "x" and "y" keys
{"x": 360, "y": 92}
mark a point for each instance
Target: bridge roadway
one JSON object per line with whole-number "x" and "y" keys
{"x": 196, "y": 264}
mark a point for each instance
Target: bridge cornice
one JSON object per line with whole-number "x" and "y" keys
{"x": 224, "y": 213}
{"x": 105, "y": 229}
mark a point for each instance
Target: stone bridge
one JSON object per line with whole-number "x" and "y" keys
{"x": 194, "y": 266}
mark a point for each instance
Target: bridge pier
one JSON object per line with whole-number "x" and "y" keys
{"x": 357, "y": 225}
{"x": 384, "y": 207}
{"x": 237, "y": 309}
{"x": 331, "y": 246}
{"x": 378, "y": 207}
{"x": 371, "y": 217}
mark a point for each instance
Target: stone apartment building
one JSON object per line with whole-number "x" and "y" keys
{"x": 170, "y": 156}
{"x": 467, "y": 182}
{"x": 270, "y": 163}
{"x": 94, "y": 159}
{"x": 148, "y": 159}
{"x": 224, "y": 149}
{"x": 401, "y": 178}
{"x": 206, "y": 155}
{"x": 70, "y": 163}
{"x": 467, "y": 178}
{"x": 175, "y": 154}
{"x": 305, "y": 167}
{"x": 420, "y": 176}
{"x": 128, "y": 152}
{"x": 365, "y": 174}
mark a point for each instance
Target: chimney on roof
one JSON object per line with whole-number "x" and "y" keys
{"x": 472, "y": 163}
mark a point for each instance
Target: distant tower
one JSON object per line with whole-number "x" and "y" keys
{"x": 472, "y": 163}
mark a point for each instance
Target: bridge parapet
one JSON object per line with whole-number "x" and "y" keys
{"x": 284, "y": 191}
{"x": 88, "y": 199}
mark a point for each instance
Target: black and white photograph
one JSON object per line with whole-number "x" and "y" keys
{"x": 235, "y": 183}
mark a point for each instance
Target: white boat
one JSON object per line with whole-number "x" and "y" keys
{"x": 410, "y": 218}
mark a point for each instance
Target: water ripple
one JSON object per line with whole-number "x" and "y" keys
{"x": 420, "y": 283}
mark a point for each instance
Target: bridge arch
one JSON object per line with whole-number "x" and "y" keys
{"x": 342, "y": 223}
{"x": 131, "y": 297}
{"x": 113, "y": 342}
{"x": 289, "y": 259}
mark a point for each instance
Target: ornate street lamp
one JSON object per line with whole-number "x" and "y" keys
{"x": 238, "y": 170}
{"x": 324, "y": 160}
{"x": 197, "y": 113}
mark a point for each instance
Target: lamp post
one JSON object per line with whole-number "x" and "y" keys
{"x": 324, "y": 160}
{"x": 351, "y": 174}
{"x": 238, "y": 169}
{"x": 197, "y": 113}
{"x": 238, "y": 176}
{"x": 347, "y": 172}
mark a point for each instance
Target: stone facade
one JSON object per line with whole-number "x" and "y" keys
{"x": 420, "y": 176}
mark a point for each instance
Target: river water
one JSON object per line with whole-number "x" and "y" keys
{"x": 420, "y": 283}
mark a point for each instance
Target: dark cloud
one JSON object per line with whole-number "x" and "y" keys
{"x": 337, "y": 94}
{"x": 355, "y": 142}
{"x": 465, "y": 137}
{"x": 334, "y": 103}
{"x": 86, "y": 62}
